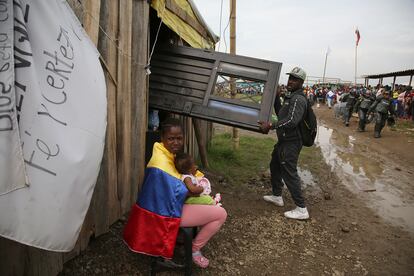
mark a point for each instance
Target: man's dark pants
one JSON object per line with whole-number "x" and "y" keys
{"x": 380, "y": 120}
{"x": 284, "y": 166}
{"x": 362, "y": 113}
{"x": 347, "y": 114}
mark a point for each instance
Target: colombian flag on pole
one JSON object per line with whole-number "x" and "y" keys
{"x": 154, "y": 220}
{"x": 358, "y": 36}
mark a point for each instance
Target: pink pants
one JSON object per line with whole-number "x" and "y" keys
{"x": 209, "y": 217}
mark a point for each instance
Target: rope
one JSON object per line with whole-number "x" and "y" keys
{"x": 148, "y": 65}
{"x": 224, "y": 32}
{"x": 221, "y": 15}
{"x": 78, "y": 4}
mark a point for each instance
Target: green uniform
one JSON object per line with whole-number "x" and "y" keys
{"x": 365, "y": 102}
{"x": 350, "y": 100}
{"x": 382, "y": 106}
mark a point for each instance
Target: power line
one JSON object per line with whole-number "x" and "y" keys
{"x": 224, "y": 32}
{"x": 221, "y": 15}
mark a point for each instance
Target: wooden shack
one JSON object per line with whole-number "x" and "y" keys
{"x": 125, "y": 32}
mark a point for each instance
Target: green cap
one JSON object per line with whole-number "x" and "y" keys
{"x": 298, "y": 72}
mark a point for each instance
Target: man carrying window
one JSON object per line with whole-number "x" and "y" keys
{"x": 283, "y": 166}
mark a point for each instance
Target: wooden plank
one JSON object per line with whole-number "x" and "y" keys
{"x": 201, "y": 141}
{"x": 178, "y": 82}
{"x": 42, "y": 262}
{"x": 91, "y": 19}
{"x": 180, "y": 75}
{"x": 108, "y": 50}
{"x": 12, "y": 257}
{"x": 140, "y": 24}
{"x": 124, "y": 104}
{"x": 180, "y": 67}
{"x": 211, "y": 83}
{"x": 162, "y": 87}
{"x": 181, "y": 60}
{"x": 72, "y": 254}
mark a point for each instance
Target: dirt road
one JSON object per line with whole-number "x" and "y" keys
{"x": 360, "y": 196}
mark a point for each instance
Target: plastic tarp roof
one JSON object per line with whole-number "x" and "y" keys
{"x": 182, "y": 17}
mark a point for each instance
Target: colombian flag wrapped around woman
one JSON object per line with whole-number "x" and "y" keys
{"x": 154, "y": 220}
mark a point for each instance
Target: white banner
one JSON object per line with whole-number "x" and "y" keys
{"x": 12, "y": 171}
{"x": 61, "y": 103}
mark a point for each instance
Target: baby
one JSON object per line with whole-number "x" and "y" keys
{"x": 198, "y": 187}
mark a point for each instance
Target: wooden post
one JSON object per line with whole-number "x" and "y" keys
{"x": 108, "y": 50}
{"x": 91, "y": 19}
{"x": 124, "y": 104}
{"x": 233, "y": 89}
{"x": 411, "y": 78}
{"x": 201, "y": 141}
{"x": 393, "y": 83}
{"x": 139, "y": 86}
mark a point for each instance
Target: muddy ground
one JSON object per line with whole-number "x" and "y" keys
{"x": 361, "y": 201}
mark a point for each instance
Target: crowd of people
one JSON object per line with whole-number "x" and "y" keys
{"x": 379, "y": 103}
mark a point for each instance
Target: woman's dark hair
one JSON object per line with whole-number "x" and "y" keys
{"x": 183, "y": 162}
{"x": 169, "y": 123}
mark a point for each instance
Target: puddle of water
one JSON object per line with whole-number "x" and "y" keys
{"x": 386, "y": 189}
{"x": 306, "y": 177}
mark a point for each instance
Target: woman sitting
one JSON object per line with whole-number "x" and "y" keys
{"x": 155, "y": 219}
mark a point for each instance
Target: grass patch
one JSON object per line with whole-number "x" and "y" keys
{"x": 405, "y": 126}
{"x": 252, "y": 157}
{"x": 238, "y": 166}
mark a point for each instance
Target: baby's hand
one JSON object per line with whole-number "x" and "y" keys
{"x": 217, "y": 198}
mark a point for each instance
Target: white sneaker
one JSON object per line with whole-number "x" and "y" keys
{"x": 276, "y": 200}
{"x": 297, "y": 213}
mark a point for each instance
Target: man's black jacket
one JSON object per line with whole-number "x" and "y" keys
{"x": 290, "y": 114}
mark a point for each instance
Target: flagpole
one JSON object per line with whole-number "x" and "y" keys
{"x": 324, "y": 68}
{"x": 356, "y": 62}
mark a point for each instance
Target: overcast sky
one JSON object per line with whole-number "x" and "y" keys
{"x": 298, "y": 33}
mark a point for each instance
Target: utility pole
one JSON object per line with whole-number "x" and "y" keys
{"x": 324, "y": 68}
{"x": 326, "y": 59}
{"x": 356, "y": 62}
{"x": 233, "y": 89}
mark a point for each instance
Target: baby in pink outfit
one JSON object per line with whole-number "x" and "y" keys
{"x": 199, "y": 187}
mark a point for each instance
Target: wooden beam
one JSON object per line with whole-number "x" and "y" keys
{"x": 201, "y": 141}
{"x": 124, "y": 104}
{"x": 91, "y": 19}
{"x": 108, "y": 50}
{"x": 139, "y": 87}
{"x": 393, "y": 83}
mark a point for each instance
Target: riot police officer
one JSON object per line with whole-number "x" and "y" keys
{"x": 350, "y": 99}
{"x": 364, "y": 103}
{"x": 382, "y": 106}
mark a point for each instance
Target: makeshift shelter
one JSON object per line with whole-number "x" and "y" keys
{"x": 393, "y": 75}
{"x": 129, "y": 35}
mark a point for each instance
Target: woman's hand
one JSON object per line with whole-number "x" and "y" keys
{"x": 193, "y": 190}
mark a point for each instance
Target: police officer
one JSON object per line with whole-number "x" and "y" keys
{"x": 283, "y": 165}
{"x": 350, "y": 99}
{"x": 382, "y": 106}
{"x": 365, "y": 101}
